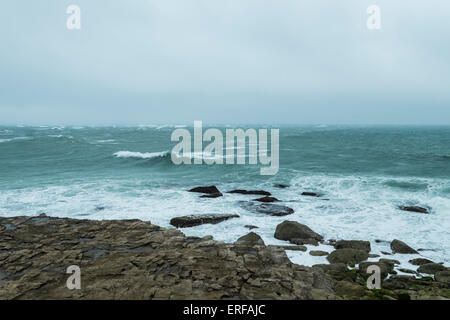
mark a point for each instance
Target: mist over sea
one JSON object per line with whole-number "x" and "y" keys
{"x": 364, "y": 173}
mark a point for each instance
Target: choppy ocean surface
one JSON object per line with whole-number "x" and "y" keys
{"x": 126, "y": 173}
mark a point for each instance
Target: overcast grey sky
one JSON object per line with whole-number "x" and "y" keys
{"x": 227, "y": 61}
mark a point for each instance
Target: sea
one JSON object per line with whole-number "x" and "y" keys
{"x": 125, "y": 172}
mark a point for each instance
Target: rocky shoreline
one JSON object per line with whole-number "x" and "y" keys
{"x": 133, "y": 259}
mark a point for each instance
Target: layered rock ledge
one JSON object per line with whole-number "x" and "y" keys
{"x": 132, "y": 259}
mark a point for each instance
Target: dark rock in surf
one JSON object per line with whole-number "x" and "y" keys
{"x": 196, "y": 220}
{"x": 311, "y": 194}
{"x": 398, "y": 246}
{"x": 414, "y": 209}
{"x": 210, "y": 191}
{"x": 281, "y": 186}
{"x": 267, "y": 208}
{"x": 267, "y": 199}
{"x": 248, "y": 226}
{"x": 254, "y": 192}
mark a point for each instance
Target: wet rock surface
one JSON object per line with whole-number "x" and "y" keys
{"x": 253, "y": 192}
{"x": 267, "y": 199}
{"x": 196, "y": 220}
{"x": 209, "y": 191}
{"x": 353, "y": 244}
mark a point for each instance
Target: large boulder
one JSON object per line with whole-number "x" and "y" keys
{"x": 289, "y": 230}
{"x": 210, "y": 191}
{"x": 398, "y": 246}
{"x": 267, "y": 208}
{"x": 431, "y": 268}
{"x": 353, "y": 244}
{"x": 196, "y": 220}
{"x": 254, "y": 192}
{"x": 347, "y": 256}
{"x": 251, "y": 239}
{"x": 415, "y": 209}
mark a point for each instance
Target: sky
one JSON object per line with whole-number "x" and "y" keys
{"x": 228, "y": 61}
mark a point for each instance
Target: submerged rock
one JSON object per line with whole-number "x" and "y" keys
{"x": 353, "y": 244}
{"x": 281, "y": 186}
{"x": 196, "y": 220}
{"x": 290, "y": 230}
{"x": 415, "y": 209}
{"x": 267, "y": 208}
{"x": 211, "y": 191}
{"x": 267, "y": 199}
{"x": 248, "y": 226}
{"x": 347, "y": 256}
{"x": 255, "y": 192}
{"x": 251, "y": 238}
{"x": 398, "y": 246}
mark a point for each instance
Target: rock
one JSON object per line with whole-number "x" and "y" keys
{"x": 257, "y": 192}
{"x": 99, "y": 208}
{"x": 211, "y": 191}
{"x": 385, "y": 268}
{"x": 420, "y": 261}
{"x": 386, "y": 253}
{"x": 311, "y": 194}
{"x": 347, "y": 256}
{"x": 414, "y": 209}
{"x": 132, "y": 259}
{"x": 196, "y": 220}
{"x": 389, "y": 261}
{"x": 353, "y": 244}
{"x": 248, "y": 226}
{"x": 371, "y": 255}
{"x": 398, "y": 246}
{"x": 292, "y": 248}
{"x": 251, "y": 238}
{"x": 281, "y": 186}
{"x": 431, "y": 268}
{"x": 267, "y": 208}
{"x": 267, "y": 199}
{"x": 289, "y": 230}
{"x": 349, "y": 289}
{"x": 318, "y": 253}
{"x": 443, "y": 276}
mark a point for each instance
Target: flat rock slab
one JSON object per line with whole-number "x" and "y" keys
{"x": 267, "y": 208}
{"x": 196, "y": 220}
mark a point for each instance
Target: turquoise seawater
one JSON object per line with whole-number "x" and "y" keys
{"x": 364, "y": 172}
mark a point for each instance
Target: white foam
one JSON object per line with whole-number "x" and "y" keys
{"x": 140, "y": 155}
